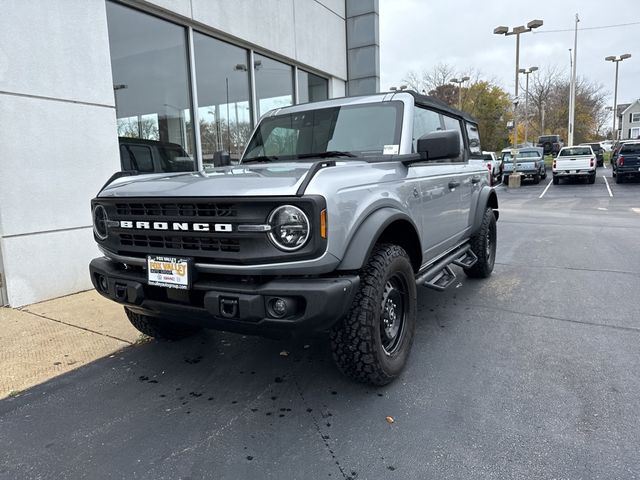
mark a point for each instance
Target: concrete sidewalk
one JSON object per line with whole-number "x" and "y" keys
{"x": 43, "y": 340}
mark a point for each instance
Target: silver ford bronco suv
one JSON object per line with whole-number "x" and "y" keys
{"x": 336, "y": 213}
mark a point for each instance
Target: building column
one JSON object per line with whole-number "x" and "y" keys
{"x": 363, "y": 47}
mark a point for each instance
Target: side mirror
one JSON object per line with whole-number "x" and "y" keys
{"x": 221, "y": 158}
{"x": 439, "y": 144}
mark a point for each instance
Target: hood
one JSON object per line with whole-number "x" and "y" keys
{"x": 277, "y": 179}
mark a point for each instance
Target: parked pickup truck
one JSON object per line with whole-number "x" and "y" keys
{"x": 337, "y": 212}
{"x": 490, "y": 161}
{"x": 529, "y": 162}
{"x": 575, "y": 162}
{"x": 627, "y": 162}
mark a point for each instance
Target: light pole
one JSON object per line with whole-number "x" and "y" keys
{"x": 502, "y": 30}
{"x": 616, "y": 60}
{"x": 459, "y": 82}
{"x": 527, "y": 72}
{"x": 572, "y": 89}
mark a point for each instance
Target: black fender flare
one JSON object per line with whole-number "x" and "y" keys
{"x": 368, "y": 233}
{"x": 486, "y": 198}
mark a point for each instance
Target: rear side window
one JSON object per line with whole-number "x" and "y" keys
{"x": 474, "y": 141}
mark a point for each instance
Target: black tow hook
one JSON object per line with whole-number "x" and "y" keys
{"x": 229, "y": 307}
{"x": 120, "y": 292}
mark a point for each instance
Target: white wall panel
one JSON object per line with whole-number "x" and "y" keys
{"x": 39, "y": 267}
{"x": 56, "y": 49}
{"x": 267, "y": 23}
{"x": 320, "y": 38}
{"x": 55, "y": 157}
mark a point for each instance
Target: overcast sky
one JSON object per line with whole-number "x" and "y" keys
{"x": 417, "y": 34}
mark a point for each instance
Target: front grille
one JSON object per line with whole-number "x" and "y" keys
{"x": 177, "y": 242}
{"x": 204, "y": 209}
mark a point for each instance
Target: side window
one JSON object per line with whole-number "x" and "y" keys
{"x": 141, "y": 158}
{"x": 451, "y": 123}
{"x": 424, "y": 121}
{"x": 474, "y": 140}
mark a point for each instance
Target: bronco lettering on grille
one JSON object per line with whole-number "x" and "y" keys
{"x": 177, "y": 226}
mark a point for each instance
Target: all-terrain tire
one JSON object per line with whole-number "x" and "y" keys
{"x": 358, "y": 341}
{"x": 483, "y": 244}
{"x": 160, "y": 328}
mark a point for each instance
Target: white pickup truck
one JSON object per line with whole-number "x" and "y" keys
{"x": 575, "y": 162}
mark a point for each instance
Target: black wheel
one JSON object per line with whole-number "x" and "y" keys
{"x": 592, "y": 179}
{"x": 483, "y": 244}
{"x": 536, "y": 179}
{"x": 372, "y": 343}
{"x": 505, "y": 179}
{"x": 160, "y": 328}
{"x": 556, "y": 180}
{"x": 619, "y": 178}
{"x": 544, "y": 173}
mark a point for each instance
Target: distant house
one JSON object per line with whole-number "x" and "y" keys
{"x": 629, "y": 120}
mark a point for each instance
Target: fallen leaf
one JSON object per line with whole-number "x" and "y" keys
{"x": 390, "y": 419}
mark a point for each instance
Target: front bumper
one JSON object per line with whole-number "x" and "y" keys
{"x": 239, "y": 305}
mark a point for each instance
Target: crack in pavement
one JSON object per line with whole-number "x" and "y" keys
{"x": 634, "y": 274}
{"x": 549, "y": 317}
{"x": 76, "y": 326}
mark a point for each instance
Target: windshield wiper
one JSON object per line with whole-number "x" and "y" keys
{"x": 329, "y": 154}
{"x": 260, "y": 159}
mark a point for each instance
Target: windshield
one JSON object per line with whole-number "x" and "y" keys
{"x": 353, "y": 130}
{"x": 568, "y": 152}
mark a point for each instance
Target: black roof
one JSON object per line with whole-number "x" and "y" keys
{"x": 432, "y": 102}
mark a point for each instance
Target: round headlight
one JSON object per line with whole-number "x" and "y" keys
{"x": 100, "y": 222}
{"x": 290, "y": 228}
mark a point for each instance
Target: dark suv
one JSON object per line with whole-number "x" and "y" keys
{"x": 550, "y": 143}
{"x": 598, "y": 150}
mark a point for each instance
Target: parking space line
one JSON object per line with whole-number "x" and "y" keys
{"x": 546, "y": 188}
{"x": 608, "y": 187}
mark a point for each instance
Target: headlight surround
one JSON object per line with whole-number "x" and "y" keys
{"x": 100, "y": 220}
{"x": 290, "y": 228}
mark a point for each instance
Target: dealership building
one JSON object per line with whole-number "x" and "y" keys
{"x": 79, "y": 79}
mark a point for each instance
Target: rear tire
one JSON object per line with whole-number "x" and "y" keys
{"x": 619, "y": 178}
{"x": 160, "y": 328}
{"x": 483, "y": 244}
{"x": 372, "y": 343}
{"x": 556, "y": 180}
{"x": 592, "y": 179}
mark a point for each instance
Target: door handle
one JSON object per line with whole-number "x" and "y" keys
{"x": 453, "y": 184}
{"x": 475, "y": 179}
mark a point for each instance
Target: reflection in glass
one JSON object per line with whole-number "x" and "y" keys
{"x": 311, "y": 88}
{"x": 222, "y": 78}
{"x": 150, "y": 79}
{"x": 274, "y": 84}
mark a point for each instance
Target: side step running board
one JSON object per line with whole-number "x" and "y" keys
{"x": 440, "y": 276}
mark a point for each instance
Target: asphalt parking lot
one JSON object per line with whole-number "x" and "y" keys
{"x": 533, "y": 373}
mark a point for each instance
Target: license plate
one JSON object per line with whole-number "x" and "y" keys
{"x": 170, "y": 272}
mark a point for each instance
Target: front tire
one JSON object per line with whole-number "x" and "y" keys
{"x": 372, "y": 343}
{"x": 536, "y": 179}
{"x": 160, "y": 328}
{"x": 483, "y": 244}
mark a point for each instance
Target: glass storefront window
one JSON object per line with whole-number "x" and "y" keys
{"x": 222, "y": 77}
{"x": 274, "y": 84}
{"x": 311, "y": 88}
{"x": 151, "y": 86}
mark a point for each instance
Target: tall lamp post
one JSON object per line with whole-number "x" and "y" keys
{"x": 517, "y": 31}
{"x": 616, "y": 60}
{"x": 459, "y": 82}
{"x": 527, "y": 72}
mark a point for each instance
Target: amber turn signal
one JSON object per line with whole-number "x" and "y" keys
{"x": 323, "y": 223}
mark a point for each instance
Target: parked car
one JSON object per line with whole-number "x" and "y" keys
{"x": 529, "y": 162}
{"x": 332, "y": 230}
{"x": 598, "y": 150}
{"x": 551, "y": 144}
{"x": 575, "y": 162}
{"x": 627, "y": 161}
{"x": 607, "y": 145}
{"x": 152, "y": 156}
{"x": 489, "y": 161}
